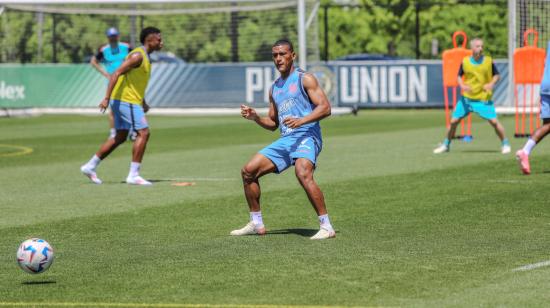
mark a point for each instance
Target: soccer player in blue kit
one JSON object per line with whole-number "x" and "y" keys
{"x": 297, "y": 104}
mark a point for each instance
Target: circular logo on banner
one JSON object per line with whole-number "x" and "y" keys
{"x": 326, "y": 79}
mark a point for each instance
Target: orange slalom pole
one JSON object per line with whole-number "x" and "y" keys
{"x": 455, "y": 101}
{"x": 447, "y": 115}
{"x": 524, "y": 110}
{"x": 517, "y": 108}
{"x": 532, "y": 113}
{"x": 469, "y": 125}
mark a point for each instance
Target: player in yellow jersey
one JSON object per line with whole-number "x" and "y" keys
{"x": 480, "y": 76}
{"x": 126, "y": 96}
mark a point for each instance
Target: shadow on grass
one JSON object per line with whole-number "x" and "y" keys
{"x": 481, "y": 151}
{"x": 159, "y": 180}
{"x": 300, "y": 232}
{"x": 38, "y": 282}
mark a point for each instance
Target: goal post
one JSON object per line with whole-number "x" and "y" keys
{"x": 524, "y": 15}
{"x": 228, "y": 26}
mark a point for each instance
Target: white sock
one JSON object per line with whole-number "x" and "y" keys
{"x": 256, "y": 218}
{"x": 112, "y": 133}
{"x": 324, "y": 221}
{"x": 529, "y": 145}
{"x": 134, "y": 169}
{"x": 93, "y": 163}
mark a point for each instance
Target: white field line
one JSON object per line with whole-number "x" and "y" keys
{"x": 533, "y": 266}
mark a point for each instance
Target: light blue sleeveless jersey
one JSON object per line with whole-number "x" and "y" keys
{"x": 545, "y": 84}
{"x": 112, "y": 58}
{"x": 291, "y": 100}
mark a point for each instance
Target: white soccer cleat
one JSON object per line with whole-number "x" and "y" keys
{"x": 506, "y": 149}
{"x": 137, "y": 180}
{"x": 90, "y": 173}
{"x": 324, "y": 234}
{"x": 249, "y": 229}
{"x": 441, "y": 149}
{"x": 132, "y": 135}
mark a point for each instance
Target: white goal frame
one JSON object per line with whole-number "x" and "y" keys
{"x": 303, "y": 20}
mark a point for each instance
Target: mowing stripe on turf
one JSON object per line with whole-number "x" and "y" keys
{"x": 138, "y": 305}
{"x": 529, "y": 267}
{"x": 21, "y": 150}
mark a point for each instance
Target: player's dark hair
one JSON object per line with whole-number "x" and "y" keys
{"x": 146, "y": 31}
{"x": 284, "y": 42}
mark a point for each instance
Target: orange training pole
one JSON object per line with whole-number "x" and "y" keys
{"x": 528, "y": 70}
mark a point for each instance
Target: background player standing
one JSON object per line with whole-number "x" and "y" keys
{"x": 480, "y": 76}
{"x": 108, "y": 58}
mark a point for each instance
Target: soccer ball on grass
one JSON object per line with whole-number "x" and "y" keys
{"x": 35, "y": 256}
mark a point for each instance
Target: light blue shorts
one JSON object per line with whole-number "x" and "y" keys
{"x": 286, "y": 150}
{"x": 128, "y": 116}
{"x": 544, "y": 106}
{"x": 485, "y": 109}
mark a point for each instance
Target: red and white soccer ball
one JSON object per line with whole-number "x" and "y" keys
{"x": 35, "y": 256}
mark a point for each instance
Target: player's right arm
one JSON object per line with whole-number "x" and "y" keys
{"x": 271, "y": 122}
{"x": 95, "y": 63}
{"x": 133, "y": 61}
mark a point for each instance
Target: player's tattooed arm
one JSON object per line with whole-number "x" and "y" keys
{"x": 95, "y": 64}
{"x": 317, "y": 97}
{"x": 133, "y": 61}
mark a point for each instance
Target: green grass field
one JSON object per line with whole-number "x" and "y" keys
{"x": 413, "y": 229}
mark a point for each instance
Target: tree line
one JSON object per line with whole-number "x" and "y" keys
{"x": 401, "y": 28}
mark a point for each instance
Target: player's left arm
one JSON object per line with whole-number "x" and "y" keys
{"x": 317, "y": 97}
{"x": 496, "y": 76}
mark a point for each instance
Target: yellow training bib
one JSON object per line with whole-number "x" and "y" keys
{"x": 476, "y": 76}
{"x": 130, "y": 87}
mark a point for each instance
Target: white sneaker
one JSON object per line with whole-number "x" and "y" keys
{"x": 323, "y": 234}
{"x": 132, "y": 135}
{"x": 506, "y": 149}
{"x": 137, "y": 180}
{"x": 90, "y": 173}
{"x": 249, "y": 229}
{"x": 441, "y": 149}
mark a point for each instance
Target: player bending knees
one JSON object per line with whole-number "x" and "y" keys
{"x": 297, "y": 104}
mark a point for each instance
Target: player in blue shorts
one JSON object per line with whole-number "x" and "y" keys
{"x": 523, "y": 154}
{"x": 297, "y": 104}
{"x": 480, "y": 76}
{"x": 108, "y": 58}
{"x": 126, "y": 96}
